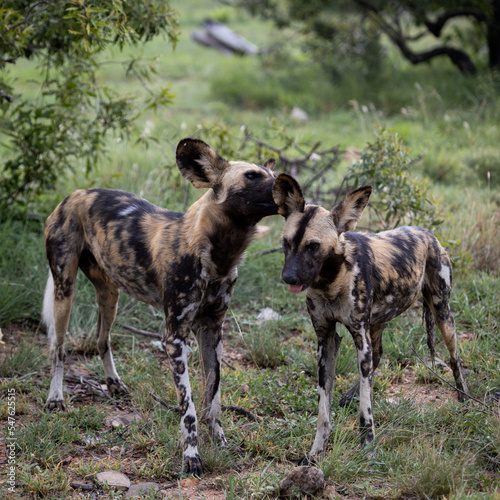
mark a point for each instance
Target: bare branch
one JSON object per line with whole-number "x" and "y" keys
{"x": 140, "y": 332}
{"x": 435, "y": 27}
{"x": 458, "y": 57}
{"x": 91, "y": 383}
{"x": 236, "y": 409}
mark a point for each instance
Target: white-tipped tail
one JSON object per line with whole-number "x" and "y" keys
{"x": 48, "y": 309}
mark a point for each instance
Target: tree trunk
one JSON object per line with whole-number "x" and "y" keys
{"x": 494, "y": 36}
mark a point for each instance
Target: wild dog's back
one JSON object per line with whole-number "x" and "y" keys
{"x": 120, "y": 232}
{"x": 394, "y": 265}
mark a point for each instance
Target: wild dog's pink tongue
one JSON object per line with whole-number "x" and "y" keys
{"x": 295, "y": 288}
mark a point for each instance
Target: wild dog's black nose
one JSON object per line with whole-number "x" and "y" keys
{"x": 290, "y": 278}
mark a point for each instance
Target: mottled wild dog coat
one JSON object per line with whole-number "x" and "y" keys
{"x": 361, "y": 281}
{"x": 184, "y": 264}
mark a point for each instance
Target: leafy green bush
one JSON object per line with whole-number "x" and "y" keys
{"x": 399, "y": 197}
{"x": 65, "y": 126}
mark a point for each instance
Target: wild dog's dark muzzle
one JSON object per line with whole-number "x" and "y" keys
{"x": 291, "y": 277}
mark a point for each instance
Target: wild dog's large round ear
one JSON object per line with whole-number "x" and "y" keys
{"x": 288, "y": 195}
{"x": 270, "y": 164}
{"x": 199, "y": 163}
{"x": 347, "y": 213}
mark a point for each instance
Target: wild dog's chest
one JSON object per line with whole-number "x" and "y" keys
{"x": 331, "y": 307}
{"x": 203, "y": 297}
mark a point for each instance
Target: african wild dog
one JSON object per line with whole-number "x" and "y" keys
{"x": 361, "y": 281}
{"x": 184, "y": 264}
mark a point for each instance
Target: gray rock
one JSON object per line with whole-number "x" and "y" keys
{"x": 114, "y": 479}
{"x": 299, "y": 114}
{"x": 141, "y": 490}
{"x": 308, "y": 480}
{"x": 125, "y": 420}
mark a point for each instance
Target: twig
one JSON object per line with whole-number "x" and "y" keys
{"x": 266, "y": 252}
{"x": 236, "y": 409}
{"x": 141, "y": 332}
{"x": 163, "y": 403}
{"x": 81, "y": 380}
{"x": 444, "y": 380}
{"x": 228, "y": 364}
{"x": 83, "y": 486}
{"x": 22, "y": 377}
{"x": 242, "y": 411}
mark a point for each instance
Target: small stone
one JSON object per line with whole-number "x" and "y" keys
{"x": 189, "y": 482}
{"x": 267, "y": 314}
{"x": 307, "y": 480}
{"x": 299, "y": 114}
{"x": 141, "y": 490}
{"x": 114, "y": 479}
{"x": 330, "y": 492}
{"x": 125, "y": 420}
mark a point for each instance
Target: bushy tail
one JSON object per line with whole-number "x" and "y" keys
{"x": 48, "y": 309}
{"x": 430, "y": 326}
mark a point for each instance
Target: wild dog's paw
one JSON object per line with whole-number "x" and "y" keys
{"x": 55, "y": 405}
{"x": 116, "y": 387}
{"x": 194, "y": 466}
{"x": 217, "y": 433}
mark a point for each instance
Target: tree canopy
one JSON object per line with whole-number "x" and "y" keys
{"x": 71, "y": 113}
{"x": 460, "y": 30}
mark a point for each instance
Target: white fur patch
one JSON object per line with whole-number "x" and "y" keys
{"x": 48, "y": 309}
{"x": 445, "y": 273}
{"x": 127, "y": 211}
{"x": 187, "y": 310}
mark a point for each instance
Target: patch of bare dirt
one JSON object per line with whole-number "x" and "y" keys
{"x": 408, "y": 387}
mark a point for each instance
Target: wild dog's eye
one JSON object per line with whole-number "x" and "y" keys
{"x": 252, "y": 175}
{"x": 312, "y": 246}
{"x": 286, "y": 245}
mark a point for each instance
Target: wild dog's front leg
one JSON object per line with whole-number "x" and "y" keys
{"x": 365, "y": 366}
{"x": 328, "y": 346}
{"x": 210, "y": 344}
{"x": 208, "y": 328}
{"x": 175, "y": 347}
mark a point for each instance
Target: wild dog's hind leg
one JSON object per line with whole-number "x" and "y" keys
{"x": 436, "y": 293}
{"x": 446, "y": 324}
{"x": 376, "y": 336}
{"x": 107, "y": 294}
{"x": 59, "y": 297}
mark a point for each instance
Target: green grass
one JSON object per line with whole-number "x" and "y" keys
{"x": 424, "y": 449}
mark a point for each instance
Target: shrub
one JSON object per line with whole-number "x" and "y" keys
{"x": 399, "y": 198}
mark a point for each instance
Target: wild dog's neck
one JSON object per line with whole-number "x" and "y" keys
{"x": 218, "y": 237}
